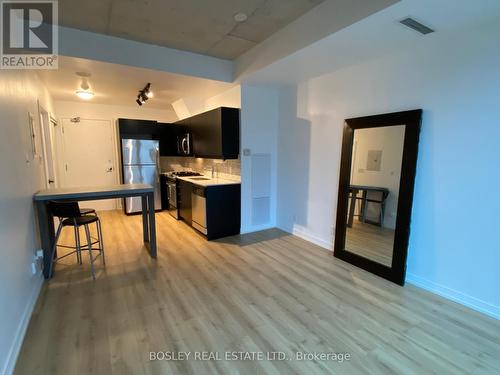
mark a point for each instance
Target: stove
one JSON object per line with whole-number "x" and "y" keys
{"x": 173, "y": 197}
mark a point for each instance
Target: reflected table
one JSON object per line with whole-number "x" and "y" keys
{"x": 354, "y": 190}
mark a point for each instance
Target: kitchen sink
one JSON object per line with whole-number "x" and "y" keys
{"x": 199, "y": 178}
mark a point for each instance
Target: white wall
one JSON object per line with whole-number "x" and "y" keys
{"x": 229, "y": 98}
{"x": 19, "y": 91}
{"x": 187, "y": 107}
{"x": 454, "y": 247}
{"x": 258, "y": 132}
{"x": 89, "y": 110}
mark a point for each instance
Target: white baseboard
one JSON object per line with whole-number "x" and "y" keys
{"x": 306, "y": 235}
{"x": 10, "y": 363}
{"x": 454, "y": 295}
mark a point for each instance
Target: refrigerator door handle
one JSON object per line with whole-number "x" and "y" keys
{"x": 157, "y": 165}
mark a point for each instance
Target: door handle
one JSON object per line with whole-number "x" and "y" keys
{"x": 109, "y": 170}
{"x": 51, "y": 181}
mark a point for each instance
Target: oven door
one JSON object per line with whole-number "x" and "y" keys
{"x": 172, "y": 199}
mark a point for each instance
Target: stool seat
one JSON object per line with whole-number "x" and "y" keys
{"x": 80, "y": 220}
{"x": 87, "y": 211}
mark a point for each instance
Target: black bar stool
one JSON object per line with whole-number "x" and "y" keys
{"x": 69, "y": 214}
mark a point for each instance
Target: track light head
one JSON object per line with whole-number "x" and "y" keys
{"x": 144, "y": 94}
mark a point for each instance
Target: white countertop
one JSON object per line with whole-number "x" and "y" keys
{"x": 209, "y": 181}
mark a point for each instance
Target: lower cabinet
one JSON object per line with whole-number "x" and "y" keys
{"x": 184, "y": 204}
{"x": 223, "y": 204}
{"x": 214, "y": 211}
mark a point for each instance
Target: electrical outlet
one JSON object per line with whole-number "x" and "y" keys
{"x": 36, "y": 264}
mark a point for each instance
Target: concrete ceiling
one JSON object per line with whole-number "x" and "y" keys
{"x": 119, "y": 84}
{"x": 201, "y": 26}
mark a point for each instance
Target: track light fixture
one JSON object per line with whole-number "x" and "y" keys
{"x": 144, "y": 94}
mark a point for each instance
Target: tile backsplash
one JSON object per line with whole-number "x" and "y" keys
{"x": 229, "y": 169}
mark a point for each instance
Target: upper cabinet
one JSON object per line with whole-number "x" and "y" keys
{"x": 215, "y": 134}
{"x": 166, "y": 134}
{"x": 136, "y": 129}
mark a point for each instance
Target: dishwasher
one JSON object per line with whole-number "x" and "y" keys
{"x": 199, "y": 209}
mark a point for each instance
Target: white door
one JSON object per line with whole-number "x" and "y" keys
{"x": 89, "y": 157}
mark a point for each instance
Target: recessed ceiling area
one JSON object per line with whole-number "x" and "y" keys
{"x": 119, "y": 84}
{"x": 203, "y": 26}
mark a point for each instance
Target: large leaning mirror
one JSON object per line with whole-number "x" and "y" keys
{"x": 377, "y": 174}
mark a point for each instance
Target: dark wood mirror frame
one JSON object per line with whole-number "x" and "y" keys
{"x": 412, "y": 121}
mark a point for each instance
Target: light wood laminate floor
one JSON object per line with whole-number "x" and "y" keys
{"x": 267, "y": 291}
{"x": 371, "y": 242}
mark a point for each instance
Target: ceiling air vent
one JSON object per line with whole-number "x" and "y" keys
{"x": 417, "y": 26}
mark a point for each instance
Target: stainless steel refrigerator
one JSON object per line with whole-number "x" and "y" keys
{"x": 141, "y": 165}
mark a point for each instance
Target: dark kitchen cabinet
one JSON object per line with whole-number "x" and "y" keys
{"x": 136, "y": 129}
{"x": 184, "y": 189}
{"x": 167, "y": 135}
{"x": 223, "y": 205}
{"x": 222, "y": 208}
{"x": 216, "y": 133}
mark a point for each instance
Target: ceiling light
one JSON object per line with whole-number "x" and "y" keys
{"x": 84, "y": 94}
{"x": 240, "y": 17}
{"x": 84, "y": 91}
{"x": 144, "y": 94}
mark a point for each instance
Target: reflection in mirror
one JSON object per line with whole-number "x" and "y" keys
{"x": 377, "y": 155}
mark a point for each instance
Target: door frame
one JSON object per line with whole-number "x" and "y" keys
{"x": 49, "y": 154}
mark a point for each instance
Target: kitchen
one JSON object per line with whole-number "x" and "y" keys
{"x": 188, "y": 163}
{"x": 192, "y": 124}
{"x": 178, "y": 135}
